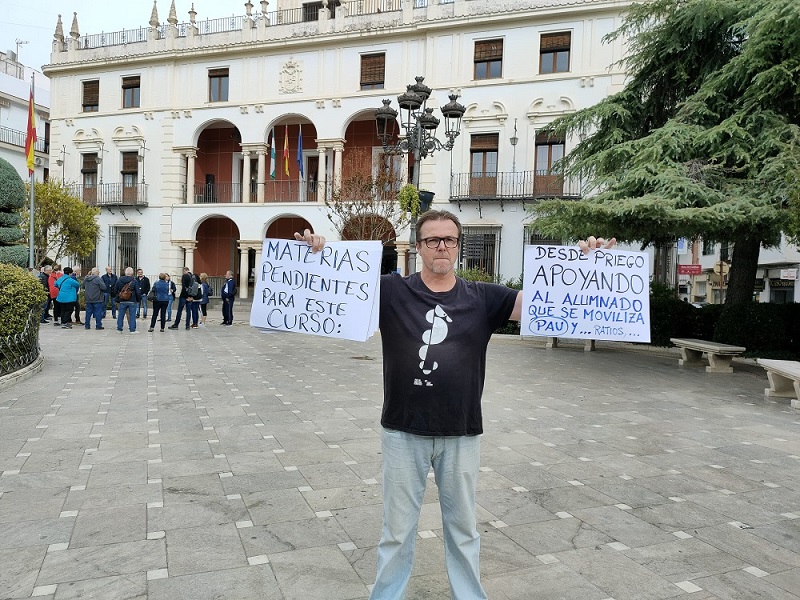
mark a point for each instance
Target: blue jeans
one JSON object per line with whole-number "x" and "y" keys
{"x": 106, "y": 297}
{"x": 169, "y": 307}
{"x": 142, "y": 307}
{"x": 181, "y": 305}
{"x": 96, "y": 310}
{"x": 193, "y": 310}
{"x": 407, "y": 458}
{"x": 130, "y": 308}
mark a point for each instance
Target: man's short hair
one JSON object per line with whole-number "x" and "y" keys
{"x": 48, "y": 269}
{"x": 95, "y": 270}
{"x": 437, "y": 215}
{"x": 129, "y": 271}
{"x": 68, "y": 270}
{"x": 186, "y": 269}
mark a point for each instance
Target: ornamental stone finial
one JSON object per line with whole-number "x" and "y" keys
{"x": 248, "y": 6}
{"x": 192, "y": 15}
{"x": 74, "y": 32}
{"x": 172, "y": 19}
{"x": 154, "y": 15}
{"x": 264, "y": 5}
{"x": 59, "y": 34}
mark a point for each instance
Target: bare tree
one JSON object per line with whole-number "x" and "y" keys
{"x": 366, "y": 205}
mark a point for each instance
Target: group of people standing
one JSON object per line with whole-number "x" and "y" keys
{"x": 129, "y": 294}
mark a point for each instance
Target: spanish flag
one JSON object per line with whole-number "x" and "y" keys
{"x": 286, "y": 150}
{"x": 30, "y": 137}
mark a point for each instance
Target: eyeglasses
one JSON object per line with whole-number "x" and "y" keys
{"x": 433, "y": 242}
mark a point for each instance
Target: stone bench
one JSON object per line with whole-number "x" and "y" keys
{"x": 552, "y": 342}
{"x": 784, "y": 379}
{"x": 720, "y": 356}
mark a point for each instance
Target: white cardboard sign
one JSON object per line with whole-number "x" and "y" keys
{"x": 604, "y": 295}
{"x": 333, "y": 293}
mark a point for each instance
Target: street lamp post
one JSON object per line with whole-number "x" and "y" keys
{"x": 62, "y": 157}
{"x": 420, "y": 139}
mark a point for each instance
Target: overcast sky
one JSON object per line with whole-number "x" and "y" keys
{"x": 34, "y": 21}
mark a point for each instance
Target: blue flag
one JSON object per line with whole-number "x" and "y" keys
{"x": 300, "y": 150}
{"x": 272, "y": 155}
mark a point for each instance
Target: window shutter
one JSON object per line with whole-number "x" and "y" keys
{"x": 218, "y": 72}
{"x": 91, "y": 92}
{"x": 488, "y": 141}
{"x": 130, "y": 162}
{"x": 488, "y": 50}
{"x": 373, "y": 68}
{"x": 130, "y": 82}
{"x": 89, "y": 163}
{"x": 552, "y": 42}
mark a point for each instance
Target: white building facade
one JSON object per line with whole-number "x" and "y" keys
{"x": 170, "y": 128}
{"x": 15, "y": 89}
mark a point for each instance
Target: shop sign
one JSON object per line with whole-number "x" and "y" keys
{"x": 690, "y": 269}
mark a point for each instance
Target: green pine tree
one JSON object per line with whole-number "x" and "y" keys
{"x": 703, "y": 141}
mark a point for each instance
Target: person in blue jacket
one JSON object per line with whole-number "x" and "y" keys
{"x": 161, "y": 292}
{"x": 68, "y": 287}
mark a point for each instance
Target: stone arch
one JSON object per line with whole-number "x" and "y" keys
{"x": 216, "y": 249}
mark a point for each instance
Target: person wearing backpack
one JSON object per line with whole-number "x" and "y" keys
{"x": 128, "y": 297}
{"x": 183, "y": 298}
{"x": 228, "y": 296}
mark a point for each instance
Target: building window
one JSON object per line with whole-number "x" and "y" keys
{"x": 123, "y": 248}
{"x": 130, "y": 92}
{"x": 709, "y": 247}
{"x": 489, "y": 59}
{"x": 546, "y": 181}
{"x": 483, "y": 165}
{"x": 91, "y": 96}
{"x": 534, "y": 238}
{"x": 311, "y": 10}
{"x": 89, "y": 176}
{"x": 480, "y": 249}
{"x": 554, "y": 51}
{"x": 130, "y": 176}
{"x": 218, "y": 85}
{"x": 373, "y": 68}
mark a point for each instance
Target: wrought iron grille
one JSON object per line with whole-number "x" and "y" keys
{"x": 19, "y": 350}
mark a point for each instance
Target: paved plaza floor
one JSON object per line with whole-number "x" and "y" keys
{"x": 229, "y": 463}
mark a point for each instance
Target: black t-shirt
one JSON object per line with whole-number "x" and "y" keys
{"x": 434, "y": 352}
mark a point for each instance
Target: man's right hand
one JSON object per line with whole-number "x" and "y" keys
{"x": 317, "y": 242}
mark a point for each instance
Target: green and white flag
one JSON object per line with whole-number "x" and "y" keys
{"x": 272, "y": 155}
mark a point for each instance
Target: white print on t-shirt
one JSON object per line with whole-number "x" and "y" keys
{"x": 435, "y": 335}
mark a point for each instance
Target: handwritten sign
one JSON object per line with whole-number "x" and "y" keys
{"x": 604, "y": 295}
{"x": 332, "y": 293}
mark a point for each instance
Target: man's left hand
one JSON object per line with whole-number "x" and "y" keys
{"x": 593, "y": 243}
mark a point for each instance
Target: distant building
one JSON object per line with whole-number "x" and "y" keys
{"x": 15, "y": 89}
{"x": 169, "y": 128}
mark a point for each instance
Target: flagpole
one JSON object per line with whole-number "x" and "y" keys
{"x": 32, "y": 173}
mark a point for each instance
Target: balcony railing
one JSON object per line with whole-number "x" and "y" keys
{"x": 111, "y": 194}
{"x": 17, "y": 138}
{"x": 519, "y": 185}
{"x": 274, "y": 191}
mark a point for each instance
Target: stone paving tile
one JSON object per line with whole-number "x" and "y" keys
{"x": 109, "y": 526}
{"x": 101, "y": 561}
{"x": 626, "y": 477}
{"x": 316, "y": 574}
{"x": 188, "y": 549}
{"x": 246, "y": 583}
{"x": 19, "y": 572}
{"x": 118, "y": 587}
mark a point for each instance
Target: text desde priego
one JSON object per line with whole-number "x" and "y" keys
{"x": 603, "y": 295}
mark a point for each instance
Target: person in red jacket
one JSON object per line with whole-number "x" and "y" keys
{"x": 51, "y": 283}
